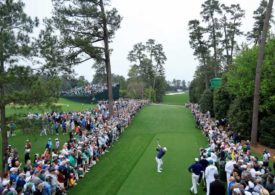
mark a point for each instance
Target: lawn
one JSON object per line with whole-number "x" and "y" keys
{"x": 130, "y": 167}
{"x": 177, "y": 99}
{"x": 63, "y": 104}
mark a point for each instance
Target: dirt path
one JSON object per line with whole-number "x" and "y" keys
{"x": 260, "y": 148}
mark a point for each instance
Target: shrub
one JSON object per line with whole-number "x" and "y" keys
{"x": 267, "y": 131}
{"x": 206, "y": 101}
{"x": 221, "y": 102}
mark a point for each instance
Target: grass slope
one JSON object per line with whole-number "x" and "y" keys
{"x": 130, "y": 167}
{"x": 63, "y": 104}
{"x": 177, "y": 99}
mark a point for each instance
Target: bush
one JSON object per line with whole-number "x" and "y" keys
{"x": 196, "y": 90}
{"x": 267, "y": 131}
{"x": 240, "y": 116}
{"x": 221, "y": 102}
{"x": 123, "y": 93}
{"x": 150, "y": 93}
{"x": 206, "y": 101}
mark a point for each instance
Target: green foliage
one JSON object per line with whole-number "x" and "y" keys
{"x": 160, "y": 88}
{"x": 206, "y": 101}
{"x": 81, "y": 27}
{"x": 135, "y": 89}
{"x": 20, "y": 81}
{"x": 267, "y": 131}
{"x": 196, "y": 89}
{"x": 242, "y": 74}
{"x": 221, "y": 102}
{"x": 240, "y": 115}
{"x": 259, "y": 16}
{"x": 148, "y": 60}
{"x": 150, "y": 94}
{"x": 123, "y": 93}
{"x": 69, "y": 81}
{"x": 238, "y": 91}
{"x": 231, "y": 23}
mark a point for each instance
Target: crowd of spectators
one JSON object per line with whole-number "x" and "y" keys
{"x": 58, "y": 168}
{"x": 243, "y": 173}
{"x": 86, "y": 90}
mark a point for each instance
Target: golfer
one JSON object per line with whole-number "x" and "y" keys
{"x": 160, "y": 153}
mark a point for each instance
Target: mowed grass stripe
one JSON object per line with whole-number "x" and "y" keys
{"x": 176, "y": 99}
{"x": 131, "y": 160}
{"x": 174, "y": 179}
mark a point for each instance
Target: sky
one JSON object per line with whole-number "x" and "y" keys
{"x": 164, "y": 21}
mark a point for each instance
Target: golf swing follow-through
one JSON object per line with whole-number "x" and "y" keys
{"x": 161, "y": 151}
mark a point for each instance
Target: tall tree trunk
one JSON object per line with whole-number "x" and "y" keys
{"x": 107, "y": 58}
{"x": 254, "y": 129}
{"x": 226, "y": 41}
{"x": 214, "y": 47}
{"x": 205, "y": 72}
{"x": 232, "y": 43}
{"x": 3, "y": 121}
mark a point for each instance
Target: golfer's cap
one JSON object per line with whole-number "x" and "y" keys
{"x": 196, "y": 159}
{"x": 164, "y": 148}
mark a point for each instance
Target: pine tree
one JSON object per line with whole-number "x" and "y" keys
{"x": 20, "y": 82}
{"x": 256, "y": 101}
{"x": 231, "y": 23}
{"x": 259, "y": 16}
{"x": 85, "y": 26}
{"x": 210, "y": 10}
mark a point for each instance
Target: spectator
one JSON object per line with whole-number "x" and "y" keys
{"x": 217, "y": 187}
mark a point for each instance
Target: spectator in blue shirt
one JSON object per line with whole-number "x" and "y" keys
{"x": 196, "y": 170}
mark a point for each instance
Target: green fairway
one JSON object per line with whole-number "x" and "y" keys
{"x": 130, "y": 167}
{"x": 62, "y": 105}
{"x": 177, "y": 99}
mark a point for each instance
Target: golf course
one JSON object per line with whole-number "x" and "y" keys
{"x": 130, "y": 167}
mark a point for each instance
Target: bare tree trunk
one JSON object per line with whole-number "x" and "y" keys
{"x": 205, "y": 73}
{"x": 107, "y": 58}
{"x": 254, "y": 129}
{"x": 226, "y": 41}
{"x": 215, "y": 48}
{"x": 232, "y": 43}
{"x": 3, "y": 121}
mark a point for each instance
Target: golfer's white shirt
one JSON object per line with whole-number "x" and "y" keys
{"x": 229, "y": 166}
{"x": 209, "y": 173}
